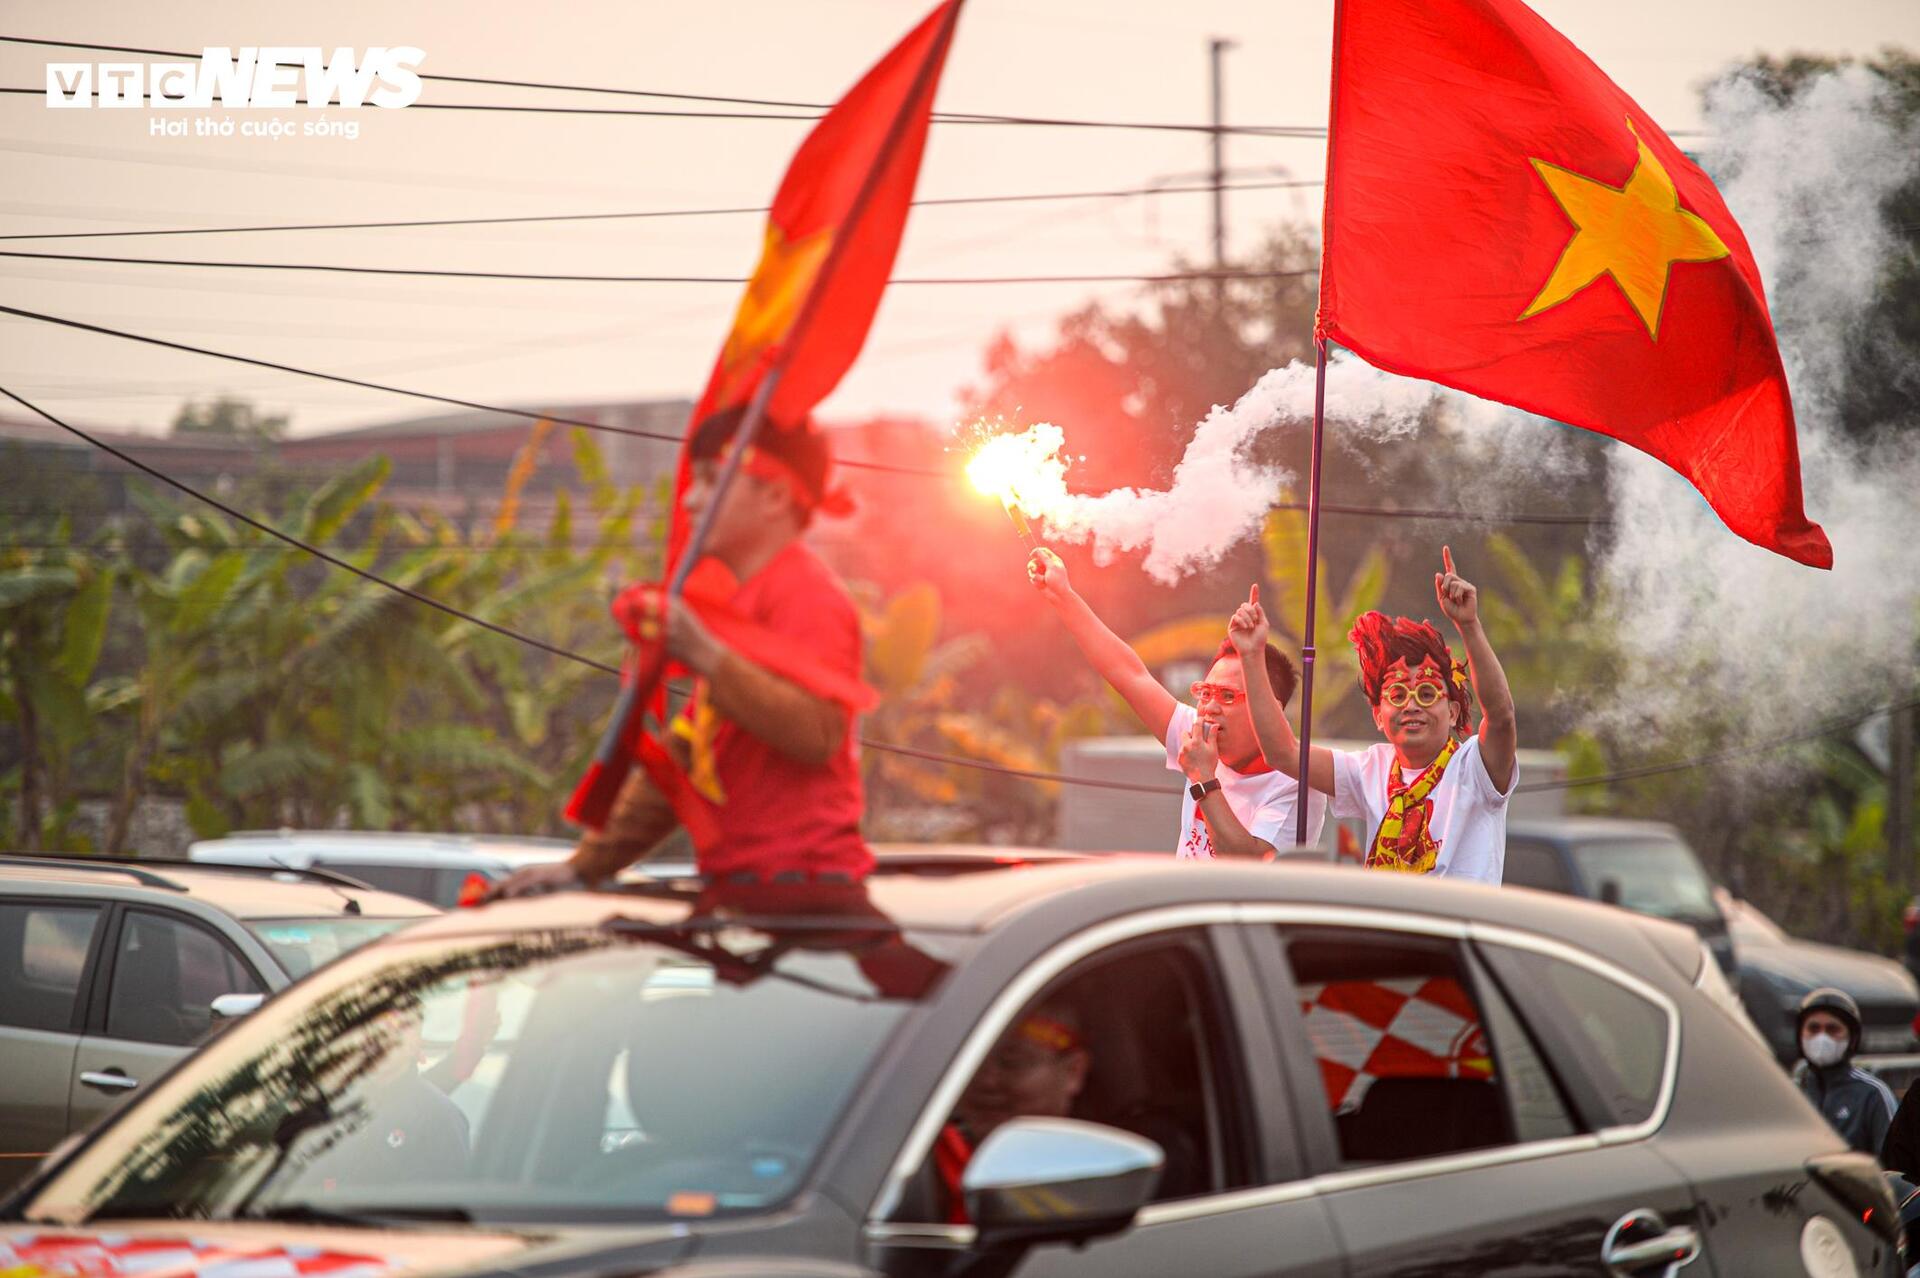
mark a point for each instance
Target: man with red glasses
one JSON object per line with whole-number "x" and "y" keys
{"x": 1236, "y": 804}
{"x": 1435, "y": 792}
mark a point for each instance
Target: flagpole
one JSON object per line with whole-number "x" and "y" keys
{"x": 620, "y": 726}
{"x": 1313, "y": 581}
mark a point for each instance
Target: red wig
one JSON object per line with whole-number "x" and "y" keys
{"x": 1382, "y": 640}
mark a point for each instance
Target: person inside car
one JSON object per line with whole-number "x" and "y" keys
{"x": 399, "y": 1128}
{"x": 1860, "y": 1106}
{"x": 1039, "y": 1069}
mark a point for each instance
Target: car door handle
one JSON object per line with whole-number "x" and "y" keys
{"x": 1641, "y": 1246}
{"x": 110, "y": 1081}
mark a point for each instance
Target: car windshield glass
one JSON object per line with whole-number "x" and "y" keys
{"x": 300, "y": 945}
{"x": 636, "y": 1069}
{"x": 1654, "y": 876}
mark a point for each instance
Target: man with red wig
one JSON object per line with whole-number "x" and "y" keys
{"x": 771, "y": 765}
{"x": 1435, "y": 792}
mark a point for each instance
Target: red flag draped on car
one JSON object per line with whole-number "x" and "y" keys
{"x": 1501, "y": 218}
{"x": 830, "y": 241}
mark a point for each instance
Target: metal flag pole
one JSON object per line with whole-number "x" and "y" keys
{"x": 625, "y": 718}
{"x": 1313, "y": 581}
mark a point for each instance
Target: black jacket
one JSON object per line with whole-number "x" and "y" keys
{"x": 1860, "y": 1106}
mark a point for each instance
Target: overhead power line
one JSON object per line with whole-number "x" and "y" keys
{"x": 781, "y": 109}
{"x": 425, "y": 273}
{"x": 947, "y": 202}
{"x": 666, "y": 437}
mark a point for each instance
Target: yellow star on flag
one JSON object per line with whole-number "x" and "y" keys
{"x": 1634, "y": 233}
{"x": 772, "y": 299}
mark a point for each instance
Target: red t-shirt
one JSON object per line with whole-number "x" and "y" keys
{"x": 781, "y": 814}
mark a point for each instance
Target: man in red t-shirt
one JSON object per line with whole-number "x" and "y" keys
{"x": 773, "y": 764}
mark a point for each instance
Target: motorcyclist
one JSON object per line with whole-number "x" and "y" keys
{"x": 1858, "y": 1105}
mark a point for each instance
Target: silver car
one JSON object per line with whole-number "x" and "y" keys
{"x": 110, "y": 971}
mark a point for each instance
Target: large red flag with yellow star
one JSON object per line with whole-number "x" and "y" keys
{"x": 851, "y": 183}
{"x": 1503, "y": 219}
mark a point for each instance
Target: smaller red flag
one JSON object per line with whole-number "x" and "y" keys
{"x": 1501, "y": 218}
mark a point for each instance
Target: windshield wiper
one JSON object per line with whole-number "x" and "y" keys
{"x": 312, "y": 1214}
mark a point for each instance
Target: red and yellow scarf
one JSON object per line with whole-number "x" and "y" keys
{"x": 1400, "y": 846}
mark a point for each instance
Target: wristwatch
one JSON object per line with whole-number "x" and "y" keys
{"x": 1201, "y": 789}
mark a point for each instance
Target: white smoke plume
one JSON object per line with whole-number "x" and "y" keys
{"x": 1716, "y": 626}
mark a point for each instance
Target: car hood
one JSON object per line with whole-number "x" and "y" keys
{"x": 1868, "y": 977}
{"x": 166, "y": 1249}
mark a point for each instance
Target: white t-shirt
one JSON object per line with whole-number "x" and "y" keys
{"x": 1468, "y": 819}
{"x": 1264, "y": 801}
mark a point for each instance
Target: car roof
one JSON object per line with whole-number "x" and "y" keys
{"x": 380, "y": 847}
{"x": 980, "y": 890}
{"x": 1577, "y": 829}
{"x": 244, "y": 893}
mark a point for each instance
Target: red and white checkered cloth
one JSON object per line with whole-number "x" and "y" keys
{"x": 1414, "y": 1027}
{"x": 47, "y": 1255}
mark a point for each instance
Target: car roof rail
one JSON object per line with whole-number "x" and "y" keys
{"x": 333, "y": 877}
{"x": 144, "y": 877}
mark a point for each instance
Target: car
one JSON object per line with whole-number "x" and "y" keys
{"x": 429, "y": 867}
{"x": 1777, "y": 971}
{"x": 111, "y": 970}
{"x": 1235, "y": 1069}
{"x": 1644, "y": 866}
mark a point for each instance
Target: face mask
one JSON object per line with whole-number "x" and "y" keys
{"x": 1823, "y": 1049}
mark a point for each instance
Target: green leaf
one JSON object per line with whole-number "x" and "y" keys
{"x": 36, "y": 581}
{"x": 905, "y": 637}
{"x": 202, "y": 598}
{"x": 340, "y": 498}
{"x": 205, "y": 817}
{"x": 86, "y": 627}
{"x": 61, "y": 705}
{"x": 283, "y": 765}
{"x": 370, "y": 796}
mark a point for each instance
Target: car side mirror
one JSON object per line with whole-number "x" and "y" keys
{"x": 231, "y": 1007}
{"x": 1610, "y": 891}
{"x": 1057, "y": 1180}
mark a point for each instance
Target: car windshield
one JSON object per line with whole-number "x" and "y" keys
{"x": 635, "y": 1070}
{"x": 1653, "y": 876}
{"x": 300, "y": 945}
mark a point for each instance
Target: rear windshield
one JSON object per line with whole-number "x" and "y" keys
{"x": 565, "y": 1076}
{"x": 1653, "y": 876}
{"x": 300, "y": 945}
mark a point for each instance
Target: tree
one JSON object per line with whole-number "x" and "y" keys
{"x": 229, "y": 417}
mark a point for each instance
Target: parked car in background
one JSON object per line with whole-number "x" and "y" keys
{"x": 1643, "y": 866}
{"x": 1777, "y": 971}
{"x": 428, "y": 867}
{"x": 1268, "y": 1072}
{"x": 1648, "y": 867}
{"x": 110, "y": 971}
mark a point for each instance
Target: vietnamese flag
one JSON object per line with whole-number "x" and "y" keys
{"x": 834, "y": 229}
{"x": 1501, "y": 218}
{"x": 828, "y": 248}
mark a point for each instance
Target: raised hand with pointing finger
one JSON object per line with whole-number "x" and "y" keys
{"x": 1458, "y": 597}
{"x": 1247, "y": 629}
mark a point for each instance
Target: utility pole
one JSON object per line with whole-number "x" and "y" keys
{"x": 1216, "y": 49}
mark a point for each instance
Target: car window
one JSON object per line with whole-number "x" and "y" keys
{"x": 415, "y": 881}
{"x": 1650, "y": 876}
{"x": 1415, "y": 1059}
{"x": 1535, "y": 865}
{"x": 43, "y": 950}
{"x": 300, "y": 945}
{"x": 1132, "y": 1040}
{"x": 1616, "y": 1038}
{"x": 596, "y": 1074}
{"x": 166, "y": 973}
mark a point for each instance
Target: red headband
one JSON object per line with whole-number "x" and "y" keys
{"x": 763, "y": 465}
